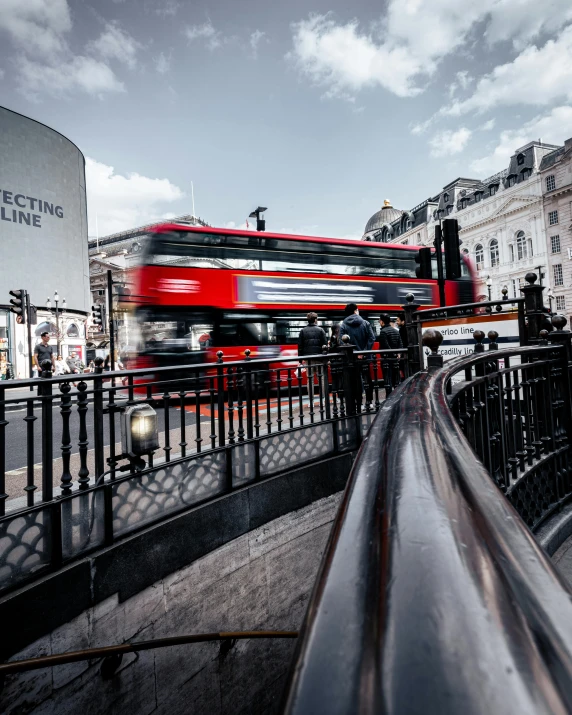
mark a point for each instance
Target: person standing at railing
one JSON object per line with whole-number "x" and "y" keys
{"x": 389, "y": 339}
{"x": 311, "y": 339}
{"x": 44, "y": 351}
{"x": 362, "y": 336}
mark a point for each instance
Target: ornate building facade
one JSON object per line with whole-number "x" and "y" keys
{"x": 556, "y": 179}
{"x": 501, "y": 219}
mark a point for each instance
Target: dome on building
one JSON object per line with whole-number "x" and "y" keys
{"x": 386, "y": 214}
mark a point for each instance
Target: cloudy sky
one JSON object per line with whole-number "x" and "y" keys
{"x": 318, "y": 109}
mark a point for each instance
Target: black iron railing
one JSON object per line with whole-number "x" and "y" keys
{"x": 67, "y": 486}
{"x": 433, "y": 595}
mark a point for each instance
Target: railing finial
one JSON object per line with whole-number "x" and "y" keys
{"x": 479, "y": 336}
{"x": 433, "y": 339}
{"x": 559, "y": 322}
{"x": 543, "y": 335}
{"x": 493, "y": 336}
{"x": 531, "y": 278}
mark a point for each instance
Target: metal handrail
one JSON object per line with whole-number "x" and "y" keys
{"x": 49, "y": 661}
{"x": 433, "y": 595}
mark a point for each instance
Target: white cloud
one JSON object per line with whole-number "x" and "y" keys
{"x": 162, "y": 63}
{"x": 45, "y": 63}
{"x": 345, "y": 60}
{"x": 168, "y": 8}
{"x": 462, "y": 81}
{"x": 122, "y": 202}
{"x": 553, "y": 128}
{"x": 448, "y": 143}
{"x": 213, "y": 38}
{"x": 38, "y": 26}
{"x": 535, "y": 77}
{"x": 255, "y": 39}
{"x": 79, "y": 73}
{"x": 115, "y": 44}
{"x": 403, "y": 49}
{"x": 487, "y": 126}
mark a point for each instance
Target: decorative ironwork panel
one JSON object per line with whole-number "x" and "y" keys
{"x": 144, "y": 498}
{"x": 243, "y": 464}
{"x": 347, "y": 432}
{"x": 82, "y": 523}
{"x": 288, "y": 448}
{"x": 24, "y": 546}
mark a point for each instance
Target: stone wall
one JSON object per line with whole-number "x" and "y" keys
{"x": 261, "y": 580}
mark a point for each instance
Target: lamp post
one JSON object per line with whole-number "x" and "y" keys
{"x": 550, "y": 299}
{"x": 57, "y": 311}
{"x": 489, "y": 284}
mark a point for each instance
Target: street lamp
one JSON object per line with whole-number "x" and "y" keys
{"x": 489, "y": 284}
{"x": 57, "y": 311}
{"x": 550, "y": 299}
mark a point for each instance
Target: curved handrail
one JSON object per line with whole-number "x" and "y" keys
{"x": 433, "y": 596}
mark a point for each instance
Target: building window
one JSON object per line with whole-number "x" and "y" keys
{"x": 555, "y": 244}
{"x": 526, "y": 173}
{"x": 445, "y": 197}
{"x": 478, "y": 195}
{"x": 520, "y": 159}
{"x": 558, "y": 277}
{"x": 449, "y": 210}
{"x": 405, "y": 242}
{"x": 521, "y": 246}
{"x": 493, "y": 189}
{"x": 550, "y": 182}
{"x": 73, "y": 331}
{"x": 494, "y": 251}
{"x": 553, "y": 218}
{"x": 512, "y": 180}
{"x": 418, "y": 238}
{"x": 514, "y": 287}
{"x": 479, "y": 256}
{"x": 511, "y": 252}
{"x": 560, "y": 302}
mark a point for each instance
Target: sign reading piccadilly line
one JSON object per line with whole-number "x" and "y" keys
{"x": 19, "y": 208}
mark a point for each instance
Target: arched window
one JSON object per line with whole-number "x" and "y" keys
{"x": 73, "y": 331}
{"x": 520, "y": 159}
{"x": 479, "y": 256}
{"x": 50, "y": 327}
{"x": 494, "y": 252}
{"x": 521, "y": 251}
{"x": 445, "y": 198}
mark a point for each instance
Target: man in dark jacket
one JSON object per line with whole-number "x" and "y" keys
{"x": 362, "y": 336}
{"x": 312, "y": 338}
{"x": 389, "y": 339}
{"x": 359, "y": 330}
{"x": 402, "y": 329}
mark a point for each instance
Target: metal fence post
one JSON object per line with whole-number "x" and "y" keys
{"x": 349, "y": 371}
{"x": 413, "y": 347}
{"x": 533, "y": 304}
{"x": 45, "y": 389}
{"x": 98, "y": 440}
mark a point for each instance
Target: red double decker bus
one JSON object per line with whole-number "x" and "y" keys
{"x": 199, "y": 290}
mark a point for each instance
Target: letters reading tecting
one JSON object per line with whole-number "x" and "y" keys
{"x": 21, "y": 201}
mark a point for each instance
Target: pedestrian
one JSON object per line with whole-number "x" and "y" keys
{"x": 361, "y": 335}
{"x": 60, "y": 367}
{"x": 359, "y": 330}
{"x": 74, "y": 364}
{"x": 107, "y": 363}
{"x": 312, "y": 337}
{"x": 335, "y": 340}
{"x": 44, "y": 351}
{"x": 402, "y": 329}
{"x": 389, "y": 339}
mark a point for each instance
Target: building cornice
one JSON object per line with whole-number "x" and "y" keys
{"x": 497, "y": 215}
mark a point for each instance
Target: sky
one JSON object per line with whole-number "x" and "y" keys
{"x": 317, "y": 109}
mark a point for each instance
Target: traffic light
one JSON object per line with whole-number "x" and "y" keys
{"x": 423, "y": 260}
{"x": 451, "y": 245}
{"x": 18, "y": 304}
{"x": 98, "y": 316}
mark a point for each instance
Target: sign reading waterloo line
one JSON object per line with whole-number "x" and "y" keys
{"x": 19, "y": 208}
